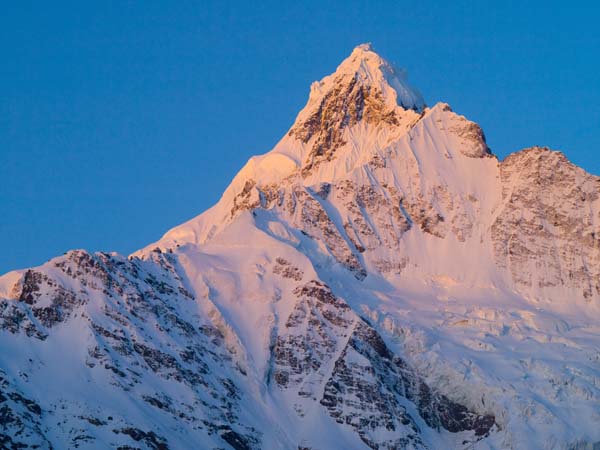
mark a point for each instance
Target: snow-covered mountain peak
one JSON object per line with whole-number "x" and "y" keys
{"x": 373, "y": 75}
{"x": 356, "y": 118}
{"x": 365, "y": 101}
{"x": 378, "y": 280}
{"x": 371, "y": 69}
{"x": 367, "y": 46}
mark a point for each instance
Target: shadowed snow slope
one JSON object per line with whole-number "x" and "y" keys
{"x": 377, "y": 280}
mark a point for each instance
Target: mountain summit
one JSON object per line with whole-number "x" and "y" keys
{"x": 367, "y": 73}
{"x": 379, "y": 279}
{"x": 365, "y": 89}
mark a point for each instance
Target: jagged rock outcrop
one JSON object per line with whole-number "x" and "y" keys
{"x": 547, "y": 231}
{"x": 327, "y": 353}
{"x": 134, "y": 335}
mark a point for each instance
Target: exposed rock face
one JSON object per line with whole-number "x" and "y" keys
{"x": 474, "y": 144}
{"x": 369, "y": 387}
{"x": 20, "y": 419}
{"x": 327, "y": 353}
{"x": 358, "y": 93}
{"x": 341, "y": 108}
{"x": 130, "y": 309}
{"x": 136, "y": 331}
{"x": 547, "y": 231}
{"x": 313, "y": 332}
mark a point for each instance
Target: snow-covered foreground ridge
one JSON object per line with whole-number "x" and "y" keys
{"x": 377, "y": 280}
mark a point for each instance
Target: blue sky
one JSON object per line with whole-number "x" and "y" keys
{"x": 120, "y": 121}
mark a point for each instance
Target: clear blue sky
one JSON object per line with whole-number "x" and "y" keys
{"x": 120, "y": 121}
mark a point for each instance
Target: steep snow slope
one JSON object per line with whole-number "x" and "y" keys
{"x": 378, "y": 280}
